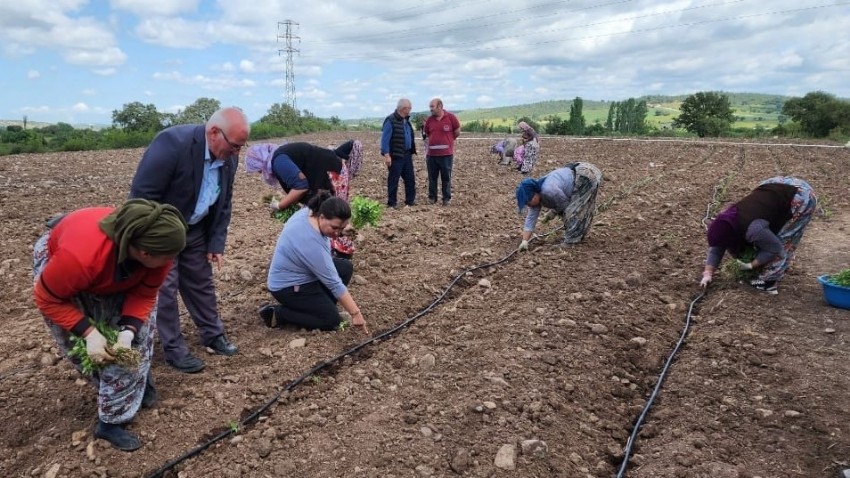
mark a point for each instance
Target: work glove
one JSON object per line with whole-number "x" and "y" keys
{"x": 523, "y": 246}
{"x": 706, "y": 279}
{"x": 274, "y": 205}
{"x": 744, "y": 266}
{"x": 96, "y": 347}
{"x": 125, "y": 339}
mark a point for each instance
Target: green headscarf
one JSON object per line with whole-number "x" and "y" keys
{"x": 153, "y": 227}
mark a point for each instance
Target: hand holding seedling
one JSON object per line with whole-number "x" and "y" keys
{"x": 125, "y": 339}
{"x": 96, "y": 346}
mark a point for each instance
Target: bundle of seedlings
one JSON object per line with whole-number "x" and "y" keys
{"x": 125, "y": 358}
{"x": 730, "y": 268}
{"x": 841, "y": 279}
{"x": 365, "y": 212}
{"x": 281, "y": 215}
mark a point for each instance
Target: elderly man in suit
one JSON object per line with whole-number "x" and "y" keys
{"x": 192, "y": 167}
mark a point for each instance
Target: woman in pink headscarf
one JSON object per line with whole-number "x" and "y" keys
{"x": 303, "y": 182}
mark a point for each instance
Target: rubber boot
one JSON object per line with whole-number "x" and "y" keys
{"x": 117, "y": 436}
{"x": 150, "y": 397}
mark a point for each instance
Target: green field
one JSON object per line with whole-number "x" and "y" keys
{"x": 752, "y": 109}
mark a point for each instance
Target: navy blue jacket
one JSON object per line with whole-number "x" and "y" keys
{"x": 171, "y": 171}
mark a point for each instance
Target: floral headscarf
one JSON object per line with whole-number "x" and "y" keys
{"x": 258, "y": 159}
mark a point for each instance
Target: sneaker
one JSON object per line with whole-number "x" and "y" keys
{"x": 446, "y": 202}
{"x": 768, "y": 286}
{"x": 432, "y": 201}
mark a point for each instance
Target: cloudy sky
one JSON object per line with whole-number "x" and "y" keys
{"x": 77, "y": 61}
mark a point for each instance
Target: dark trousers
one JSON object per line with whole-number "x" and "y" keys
{"x": 192, "y": 275}
{"x": 439, "y": 166}
{"x": 312, "y": 305}
{"x": 401, "y": 168}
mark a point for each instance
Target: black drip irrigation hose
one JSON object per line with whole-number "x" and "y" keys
{"x": 327, "y": 363}
{"x": 627, "y": 451}
{"x": 639, "y": 422}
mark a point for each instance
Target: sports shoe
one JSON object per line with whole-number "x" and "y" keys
{"x": 768, "y": 286}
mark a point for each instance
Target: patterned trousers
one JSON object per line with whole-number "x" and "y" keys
{"x": 120, "y": 391}
{"x": 802, "y": 208}
{"x": 578, "y": 216}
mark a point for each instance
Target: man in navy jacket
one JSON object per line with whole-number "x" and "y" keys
{"x": 192, "y": 167}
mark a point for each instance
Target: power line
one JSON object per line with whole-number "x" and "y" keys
{"x": 590, "y": 37}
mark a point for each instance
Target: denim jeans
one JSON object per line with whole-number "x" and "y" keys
{"x": 439, "y": 166}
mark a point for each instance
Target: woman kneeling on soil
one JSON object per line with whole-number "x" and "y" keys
{"x": 772, "y": 220}
{"x": 107, "y": 265}
{"x": 304, "y": 277}
{"x": 569, "y": 192}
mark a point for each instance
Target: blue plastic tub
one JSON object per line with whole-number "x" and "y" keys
{"x": 835, "y": 295}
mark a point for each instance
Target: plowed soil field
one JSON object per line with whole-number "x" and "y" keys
{"x": 558, "y": 345}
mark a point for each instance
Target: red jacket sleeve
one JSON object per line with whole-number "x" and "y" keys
{"x": 61, "y": 279}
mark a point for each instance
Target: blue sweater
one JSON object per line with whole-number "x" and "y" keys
{"x": 303, "y": 255}
{"x": 556, "y": 192}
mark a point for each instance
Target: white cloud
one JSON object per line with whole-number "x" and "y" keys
{"x": 175, "y": 33}
{"x": 29, "y": 25}
{"x": 484, "y": 100}
{"x": 228, "y": 67}
{"x": 155, "y": 7}
{"x": 80, "y": 107}
{"x": 149, "y": 93}
{"x": 206, "y": 82}
{"x": 105, "y": 71}
{"x": 33, "y": 74}
{"x": 247, "y": 66}
{"x": 89, "y": 92}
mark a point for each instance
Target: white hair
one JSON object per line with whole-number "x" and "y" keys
{"x": 402, "y": 103}
{"x": 224, "y": 118}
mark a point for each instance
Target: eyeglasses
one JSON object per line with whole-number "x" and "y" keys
{"x": 233, "y": 147}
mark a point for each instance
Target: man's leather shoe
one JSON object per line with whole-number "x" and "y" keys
{"x": 150, "y": 397}
{"x": 117, "y": 436}
{"x": 220, "y": 345}
{"x": 188, "y": 364}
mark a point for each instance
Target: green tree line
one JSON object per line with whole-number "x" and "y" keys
{"x": 135, "y": 125}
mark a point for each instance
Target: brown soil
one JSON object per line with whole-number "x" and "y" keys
{"x": 545, "y": 350}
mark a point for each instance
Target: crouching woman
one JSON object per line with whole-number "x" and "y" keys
{"x": 569, "y": 192}
{"x": 304, "y": 277}
{"x": 105, "y": 264}
{"x": 771, "y": 220}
